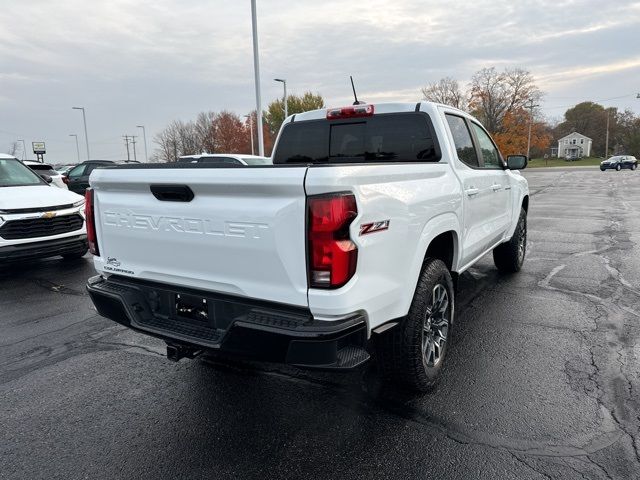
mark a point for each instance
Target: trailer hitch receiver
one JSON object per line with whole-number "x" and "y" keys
{"x": 176, "y": 351}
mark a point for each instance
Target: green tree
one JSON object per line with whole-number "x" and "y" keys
{"x": 274, "y": 116}
{"x": 627, "y": 133}
{"x": 590, "y": 119}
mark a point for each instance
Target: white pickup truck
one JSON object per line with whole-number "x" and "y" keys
{"x": 350, "y": 243}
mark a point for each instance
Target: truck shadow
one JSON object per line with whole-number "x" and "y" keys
{"x": 263, "y": 413}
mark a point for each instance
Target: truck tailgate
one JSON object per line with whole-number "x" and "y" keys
{"x": 243, "y": 233}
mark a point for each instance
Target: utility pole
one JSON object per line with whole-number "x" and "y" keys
{"x": 133, "y": 140}
{"x": 606, "y": 142}
{"x": 256, "y": 71}
{"x": 126, "y": 142}
{"x": 531, "y": 106}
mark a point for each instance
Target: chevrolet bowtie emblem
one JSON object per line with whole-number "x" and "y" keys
{"x": 48, "y": 214}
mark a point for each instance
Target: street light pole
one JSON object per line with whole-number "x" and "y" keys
{"x": 284, "y": 82}
{"x": 256, "y": 70}
{"x": 77, "y": 146}
{"x": 250, "y": 117}
{"x": 24, "y": 148}
{"x": 144, "y": 137}
{"x": 86, "y": 137}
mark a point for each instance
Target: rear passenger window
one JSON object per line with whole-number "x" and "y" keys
{"x": 462, "y": 140}
{"x": 77, "y": 171}
{"x": 490, "y": 154}
{"x": 303, "y": 142}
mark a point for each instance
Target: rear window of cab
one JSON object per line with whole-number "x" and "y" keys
{"x": 391, "y": 137}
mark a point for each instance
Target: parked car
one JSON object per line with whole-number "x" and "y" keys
{"x": 77, "y": 179}
{"x": 63, "y": 169}
{"x": 226, "y": 159}
{"x": 619, "y": 162}
{"x": 353, "y": 240}
{"x": 37, "y": 219}
{"x": 46, "y": 170}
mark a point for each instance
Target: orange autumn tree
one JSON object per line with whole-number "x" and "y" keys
{"x": 512, "y": 137}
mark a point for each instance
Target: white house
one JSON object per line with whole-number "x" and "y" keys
{"x": 574, "y": 145}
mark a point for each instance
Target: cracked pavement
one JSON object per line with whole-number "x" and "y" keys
{"x": 541, "y": 380}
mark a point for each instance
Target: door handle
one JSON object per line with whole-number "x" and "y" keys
{"x": 496, "y": 187}
{"x": 472, "y": 191}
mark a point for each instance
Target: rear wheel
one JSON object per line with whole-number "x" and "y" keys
{"x": 634, "y": 166}
{"x": 412, "y": 354}
{"x": 509, "y": 256}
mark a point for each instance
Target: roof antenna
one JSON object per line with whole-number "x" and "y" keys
{"x": 354, "y": 93}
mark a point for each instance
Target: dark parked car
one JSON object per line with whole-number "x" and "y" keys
{"x": 77, "y": 179}
{"x": 619, "y": 162}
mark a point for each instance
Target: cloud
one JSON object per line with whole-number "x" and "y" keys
{"x": 153, "y": 61}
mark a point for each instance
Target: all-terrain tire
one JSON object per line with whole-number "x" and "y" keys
{"x": 401, "y": 351}
{"x": 509, "y": 256}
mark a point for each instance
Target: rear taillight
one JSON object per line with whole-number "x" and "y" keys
{"x": 332, "y": 255}
{"x": 91, "y": 222}
{"x": 355, "y": 111}
{"x": 65, "y": 179}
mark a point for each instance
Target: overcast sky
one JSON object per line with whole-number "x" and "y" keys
{"x": 150, "y": 62}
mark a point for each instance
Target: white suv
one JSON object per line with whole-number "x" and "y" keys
{"x": 36, "y": 219}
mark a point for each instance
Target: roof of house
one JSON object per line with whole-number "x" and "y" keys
{"x": 574, "y": 134}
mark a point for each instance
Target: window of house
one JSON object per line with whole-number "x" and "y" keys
{"x": 581, "y": 141}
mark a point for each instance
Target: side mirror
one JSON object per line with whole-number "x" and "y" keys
{"x": 516, "y": 162}
{"x": 46, "y": 178}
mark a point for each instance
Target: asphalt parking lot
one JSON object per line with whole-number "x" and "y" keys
{"x": 542, "y": 378}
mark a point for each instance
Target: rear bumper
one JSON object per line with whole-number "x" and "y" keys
{"x": 43, "y": 249}
{"x": 247, "y": 328}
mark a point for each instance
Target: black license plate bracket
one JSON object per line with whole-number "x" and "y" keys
{"x": 189, "y": 307}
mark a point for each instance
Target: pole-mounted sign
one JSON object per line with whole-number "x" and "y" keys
{"x": 39, "y": 149}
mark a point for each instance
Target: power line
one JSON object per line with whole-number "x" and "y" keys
{"x": 594, "y": 101}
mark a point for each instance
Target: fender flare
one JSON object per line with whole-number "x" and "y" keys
{"x": 446, "y": 222}
{"x": 516, "y": 213}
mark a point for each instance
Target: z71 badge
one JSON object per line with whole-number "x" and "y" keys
{"x": 373, "y": 227}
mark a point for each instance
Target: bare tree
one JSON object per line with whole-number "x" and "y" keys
{"x": 447, "y": 91}
{"x": 205, "y": 131}
{"x": 494, "y": 94}
{"x": 167, "y": 141}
